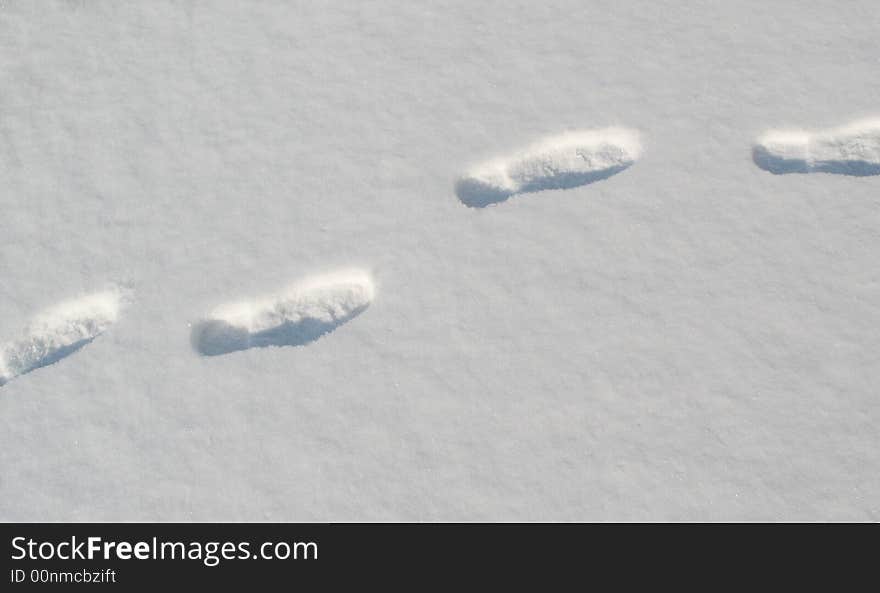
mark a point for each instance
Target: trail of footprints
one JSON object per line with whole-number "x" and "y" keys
{"x": 295, "y": 316}
{"x": 316, "y": 306}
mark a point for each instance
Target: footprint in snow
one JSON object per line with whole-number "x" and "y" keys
{"x": 563, "y": 161}
{"x": 298, "y": 315}
{"x": 853, "y": 149}
{"x": 58, "y": 332}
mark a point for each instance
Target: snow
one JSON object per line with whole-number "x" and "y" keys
{"x": 693, "y": 338}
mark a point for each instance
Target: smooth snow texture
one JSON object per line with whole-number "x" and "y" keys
{"x": 59, "y": 332}
{"x": 299, "y": 315}
{"x": 853, "y": 149}
{"x": 556, "y": 162}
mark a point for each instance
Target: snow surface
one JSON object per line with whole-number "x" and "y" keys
{"x": 693, "y": 338}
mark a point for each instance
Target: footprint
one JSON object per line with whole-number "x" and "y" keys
{"x": 59, "y": 332}
{"x": 853, "y": 149}
{"x": 298, "y": 315}
{"x": 557, "y": 162}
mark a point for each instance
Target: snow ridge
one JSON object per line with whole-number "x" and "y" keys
{"x": 562, "y": 161}
{"x": 298, "y": 315}
{"x": 59, "y": 332}
{"x": 853, "y": 149}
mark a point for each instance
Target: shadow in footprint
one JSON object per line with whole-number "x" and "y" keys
{"x": 778, "y": 165}
{"x": 782, "y": 166}
{"x": 26, "y": 364}
{"x": 55, "y": 356}
{"x": 852, "y": 168}
{"x": 475, "y": 194}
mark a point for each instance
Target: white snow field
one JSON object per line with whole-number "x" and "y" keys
{"x": 563, "y": 161}
{"x": 693, "y": 338}
{"x": 301, "y": 314}
{"x": 853, "y": 149}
